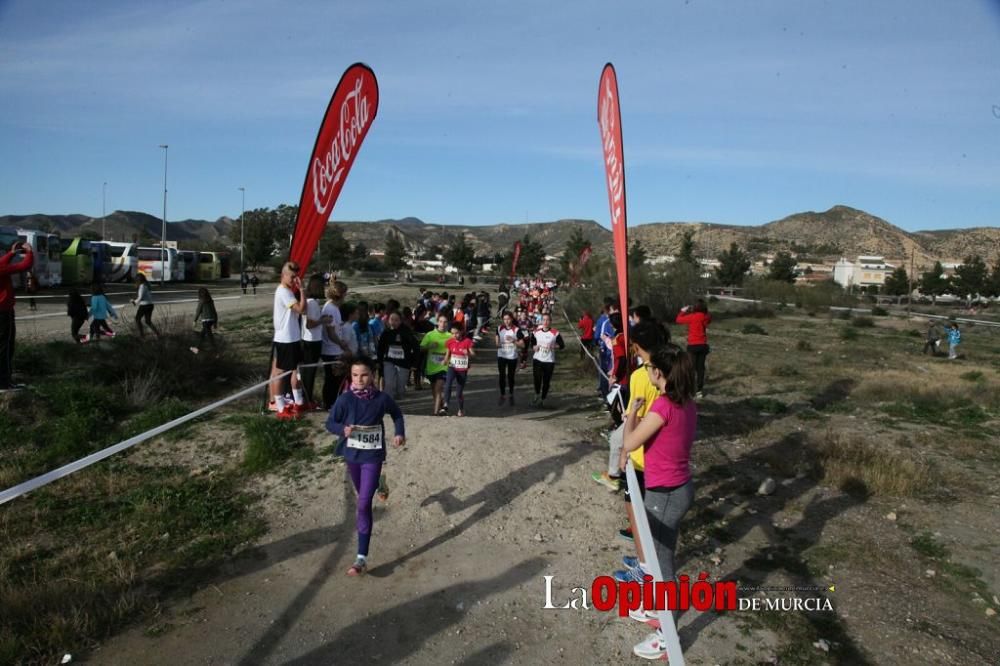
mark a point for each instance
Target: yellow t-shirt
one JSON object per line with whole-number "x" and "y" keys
{"x": 639, "y": 385}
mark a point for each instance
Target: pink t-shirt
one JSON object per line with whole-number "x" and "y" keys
{"x": 459, "y": 353}
{"x": 667, "y": 454}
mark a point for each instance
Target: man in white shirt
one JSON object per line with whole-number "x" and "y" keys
{"x": 287, "y": 337}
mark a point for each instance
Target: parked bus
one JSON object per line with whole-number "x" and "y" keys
{"x": 209, "y": 266}
{"x": 77, "y": 261}
{"x": 48, "y": 261}
{"x": 152, "y": 259}
{"x": 191, "y": 265}
{"x": 121, "y": 263}
{"x": 225, "y": 264}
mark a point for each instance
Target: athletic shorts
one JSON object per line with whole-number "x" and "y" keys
{"x": 287, "y": 355}
{"x": 437, "y": 376}
{"x": 641, "y": 478}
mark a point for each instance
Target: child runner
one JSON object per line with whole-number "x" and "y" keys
{"x": 954, "y": 340}
{"x": 76, "y": 308}
{"x": 666, "y": 433}
{"x": 357, "y": 420}
{"x": 457, "y": 360}
{"x": 545, "y": 340}
{"x": 144, "y": 305}
{"x": 100, "y": 308}
{"x": 586, "y": 327}
{"x": 207, "y": 316}
{"x": 397, "y": 349}
{"x": 509, "y": 341}
{"x": 435, "y": 370}
{"x": 525, "y": 323}
{"x": 312, "y": 339}
{"x": 364, "y": 332}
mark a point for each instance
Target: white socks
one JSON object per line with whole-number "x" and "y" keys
{"x": 297, "y": 395}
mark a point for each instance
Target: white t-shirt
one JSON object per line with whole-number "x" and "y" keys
{"x": 546, "y": 342}
{"x": 286, "y": 322}
{"x": 331, "y": 348}
{"x": 346, "y": 333}
{"x": 314, "y": 334}
{"x": 508, "y": 343}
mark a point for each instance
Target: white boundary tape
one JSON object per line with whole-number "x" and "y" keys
{"x": 668, "y": 629}
{"x": 597, "y": 365}
{"x": 45, "y": 479}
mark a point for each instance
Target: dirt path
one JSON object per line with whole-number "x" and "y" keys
{"x": 481, "y": 509}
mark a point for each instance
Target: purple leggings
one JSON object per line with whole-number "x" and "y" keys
{"x": 365, "y": 477}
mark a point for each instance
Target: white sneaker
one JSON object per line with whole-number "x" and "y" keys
{"x": 652, "y": 648}
{"x": 649, "y": 617}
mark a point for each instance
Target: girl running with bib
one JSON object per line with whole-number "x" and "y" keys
{"x": 457, "y": 359}
{"x": 545, "y": 340}
{"x": 434, "y": 343}
{"x": 510, "y": 341}
{"x": 356, "y": 419}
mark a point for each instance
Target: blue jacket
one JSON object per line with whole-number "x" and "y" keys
{"x": 100, "y": 308}
{"x": 954, "y": 336}
{"x": 350, "y": 410}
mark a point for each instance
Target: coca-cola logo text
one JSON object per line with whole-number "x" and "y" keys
{"x": 328, "y": 169}
{"x": 607, "y": 118}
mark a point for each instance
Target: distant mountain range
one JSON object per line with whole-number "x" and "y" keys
{"x": 840, "y": 231}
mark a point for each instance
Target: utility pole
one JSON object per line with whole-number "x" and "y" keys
{"x": 909, "y": 294}
{"x": 104, "y": 212}
{"x": 243, "y": 207}
{"x": 163, "y": 232}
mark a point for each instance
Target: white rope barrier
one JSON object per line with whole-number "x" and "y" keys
{"x": 73, "y": 467}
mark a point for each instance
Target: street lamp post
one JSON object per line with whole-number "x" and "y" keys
{"x": 243, "y": 208}
{"x": 104, "y": 212}
{"x": 163, "y": 232}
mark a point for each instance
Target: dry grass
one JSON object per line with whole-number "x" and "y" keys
{"x": 844, "y": 460}
{"x": 943, "y": 385}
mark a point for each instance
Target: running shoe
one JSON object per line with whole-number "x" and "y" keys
{"x": 272, "y": 406}
{"x": 652, "y": 648}
{"x": 288, "y": 414}
{"x": 443, "y": 411}
{"x": 461, "y": 412}
{"x": 632, "y": 574}
{"x": 383, "y": 488}
{"x": 649, "y": 617}
{"x": 541, "y": 403}
{"x": 194, "y": 350}
{"x": 611, "y": 482}
{"x": 699, "y": 395}
{"x": 358, "y": 568}
{"x": 626, "y": 534}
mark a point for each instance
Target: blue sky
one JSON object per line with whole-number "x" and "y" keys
{"x": 733, "y": 112}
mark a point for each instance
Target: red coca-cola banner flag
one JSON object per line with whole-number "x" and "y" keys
{"x": 348, "y": 118}
{"x": 581, "y": 261}
{"x": 517, "y": 255}
{"x": 609, "y": 119}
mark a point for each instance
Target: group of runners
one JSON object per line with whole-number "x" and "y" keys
{"x": 371, "y": 355}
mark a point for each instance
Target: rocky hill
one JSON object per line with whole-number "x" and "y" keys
{"x": 839, "y": 231}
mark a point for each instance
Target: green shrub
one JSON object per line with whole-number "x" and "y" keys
{"x": 753, "y": 329}
{"x": 863, "y": 322}
{"x": 269, "y": 443}
{"x": 879, "y": 312}
{"x": 973, "y": 376}
{"x": 769, "y": 405}
{"x": 847, "y": 333}
{"x": 804, "y": 345}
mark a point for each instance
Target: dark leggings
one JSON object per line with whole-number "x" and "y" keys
{"x": 8, "y": 333}
{"x": 331, "y": 382}
{"x": 145, "y": 312}
{"x": 206, "y": 330}
{"x": 459, "y": 378}
{"x": 311, "y": 352}
{"x": 75, "y": 326}
{"x": 543, "y": 376}
{"x": 664, "y": 510}
{"x": 364, "y": 476}
{"x": 96, "y": 328}
{"x": 698, "y": 354}
{"x": 507, "y": 368}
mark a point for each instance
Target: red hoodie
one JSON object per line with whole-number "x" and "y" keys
{"x": 6, "y": 270}
{"x": 696, "y": 322}
{"x": 586, "y": 326}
